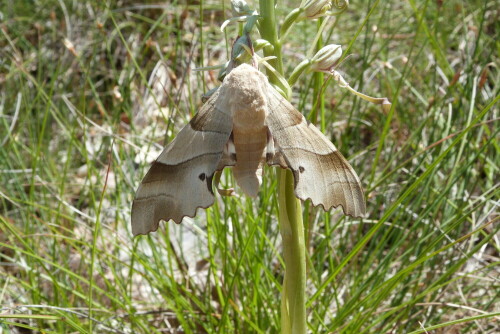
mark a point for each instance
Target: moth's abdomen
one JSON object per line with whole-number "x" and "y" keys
{"x": 248, "y": 106}
{"x": 250, "y": 149}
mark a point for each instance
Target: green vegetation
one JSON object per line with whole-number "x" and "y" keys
{"x": 79, "y": 125}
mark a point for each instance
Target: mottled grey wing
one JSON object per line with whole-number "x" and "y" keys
{"x": 180, "y": 180}
{"x": 321, "y": 173}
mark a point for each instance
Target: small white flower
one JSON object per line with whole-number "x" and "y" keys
{"x": 316, "y": 8}
{"x": 240, "y": 7}
{"x": 326, "y": 58}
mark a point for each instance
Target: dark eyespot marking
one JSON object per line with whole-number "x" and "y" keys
{"x": 209, "y": 183}
{"x": 301, "y": 169}
{"x": 202, "y": 176}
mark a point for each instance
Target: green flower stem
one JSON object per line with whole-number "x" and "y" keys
{"x": 293, "y": 309}
{"x": 289, "y": 21}
{"x": 298, "y": 70}
{"x": 268, "y": 32}
{"x": 318, "y": 84}
{"x": 293, "y": 296}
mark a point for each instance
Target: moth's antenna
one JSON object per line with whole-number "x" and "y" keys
{"x": 343, "y": 61}
{"x": 284, "y": 88}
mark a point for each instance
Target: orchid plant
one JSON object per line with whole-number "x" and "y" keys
{"x": 324, "y": 60}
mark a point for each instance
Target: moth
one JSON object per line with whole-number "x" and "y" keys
{"x": 245, "y": 124}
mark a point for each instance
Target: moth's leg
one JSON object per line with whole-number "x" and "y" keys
{"x": 274, "y": 157}
{"x": 228, "y": 154}
{"x": 270, "y": 147}
{"x": 231, "y": 149}
{"x": 228, "y": 159}
{"x": 221, "y": 191}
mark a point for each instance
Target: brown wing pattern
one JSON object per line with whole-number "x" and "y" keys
{"x": 180, "y": 180}
{"x": 321, "y": 173}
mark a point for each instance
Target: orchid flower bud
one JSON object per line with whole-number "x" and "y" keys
{"x": 326, "y": 58}
{"x": 316, "y": 8}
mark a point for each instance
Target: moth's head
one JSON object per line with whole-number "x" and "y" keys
{"x": 245, "y": 70}
{"x": 246, "y": 91}
{"x": 246, "y": 85}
